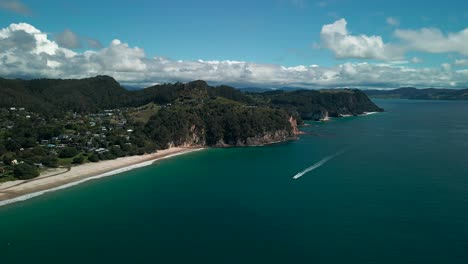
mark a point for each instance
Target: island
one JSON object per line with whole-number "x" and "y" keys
{"x": 55, "y": 132}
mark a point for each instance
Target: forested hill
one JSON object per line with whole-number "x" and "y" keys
{"x": 315, "y": 105}
{"x": 50, "y": 123}
{"x": 101, "y": 92}
{"x": 52, "y": 96}
{"x": 420, "y": 94}
{"x": 49, "y": 95}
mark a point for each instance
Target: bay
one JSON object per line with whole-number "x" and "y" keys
{"x": 396, "y": 193}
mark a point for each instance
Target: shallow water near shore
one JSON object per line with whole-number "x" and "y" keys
{"x": 396, "y": 193}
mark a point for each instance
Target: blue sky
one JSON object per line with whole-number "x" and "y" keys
{"x": 269, "y": 40}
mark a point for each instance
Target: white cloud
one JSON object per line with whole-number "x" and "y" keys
{"x": 26, "y": 52}
{"x": 93, "y": 43}
{"x": 446, "y": 67}
{"x": 15, "y": 6}
{"x": 337, "y": 38}
{"x": 393, "y": 21}
{"x": 432, "y": 40}
{"x": 464, "y": 72}
{"x": 322, "y": 4}
{"x": 461, "y": 62}
{"x": 416, "y": 60}
{"x": 68, "y": 39}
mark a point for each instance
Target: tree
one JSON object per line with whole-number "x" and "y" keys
{"x": 12, "y": 145}
{"x": 78, "y": 160}
{"x": 8, "y": 158}
{"x": 93, "y": 158}
{"x": 25, "y": 171}
{"x": 68, "y": 152}
{"x": 50, "y": 161}
{"x": 2, "y": 149}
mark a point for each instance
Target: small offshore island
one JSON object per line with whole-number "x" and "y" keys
{"x": 54, "y": 133}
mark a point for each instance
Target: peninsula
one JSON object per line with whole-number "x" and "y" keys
{"x": 57, "y": 132}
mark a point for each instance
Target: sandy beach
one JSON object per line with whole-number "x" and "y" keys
{"x": 61, "y": 178}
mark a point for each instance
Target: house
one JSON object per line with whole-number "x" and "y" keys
{"x": 44, "y": 142}
{"x": 63, "y": 137}
{"x": 101, "y": 150}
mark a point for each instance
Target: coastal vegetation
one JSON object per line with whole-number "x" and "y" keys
{"x": 60, "y": 123}
{"x": 420, "y": 94}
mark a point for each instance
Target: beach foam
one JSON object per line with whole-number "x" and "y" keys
{"x": 103, "y": 175}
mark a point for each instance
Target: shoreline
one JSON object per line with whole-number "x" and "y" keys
{"x": 17, "y": 191}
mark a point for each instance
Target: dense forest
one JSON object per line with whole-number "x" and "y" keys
{"x": 420, "y": 94}
{"x": 50, "y": 123}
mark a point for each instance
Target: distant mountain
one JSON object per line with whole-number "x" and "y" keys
{"x": 419, "y": 94}
{"x": 262, "y": 90}
{"x": 132, "y": 88}
{"x": 255, "y": 90}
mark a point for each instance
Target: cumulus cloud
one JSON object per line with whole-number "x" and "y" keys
{"x": 432, "y": 40}
{"x": 416, "y": 60}
{"x": 26, "y": 52}
{"x": 461, "y": 62}
{"x": 336, "y": 37}
{"x": 68, "y": 39}
{"x": 393, "y": 21}
{"x": 93, "y": 43}
{"x": 15, "y": 6}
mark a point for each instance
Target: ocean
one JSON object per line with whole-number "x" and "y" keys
{"x": 390, "y": 187}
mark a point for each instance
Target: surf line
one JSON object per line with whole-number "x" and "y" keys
{"x": 316, "y": 165}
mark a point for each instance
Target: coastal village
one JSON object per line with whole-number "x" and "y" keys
{"x": 31, "y": 142}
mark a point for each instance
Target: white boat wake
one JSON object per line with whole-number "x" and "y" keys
{"x": 316, "y": 165}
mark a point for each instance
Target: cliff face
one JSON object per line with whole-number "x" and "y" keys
{"x": 196, "y": 137}
{"x": 260, "y": 140}
{"x": 294, "y": 127}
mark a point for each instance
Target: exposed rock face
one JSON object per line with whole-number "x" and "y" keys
{"x": 295, "y": 129}
{"x": 268, "y": 138}
{"x": 265, "y": 139}
{"x": 197, "y": 138}
{"x": 325, "y": 117}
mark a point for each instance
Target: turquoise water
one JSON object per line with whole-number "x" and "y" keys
{"x": 397, "y": 194}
